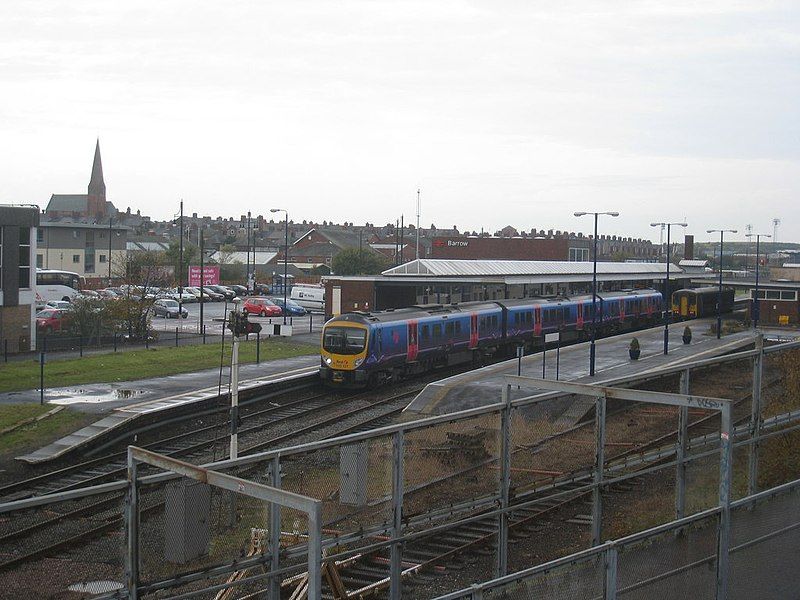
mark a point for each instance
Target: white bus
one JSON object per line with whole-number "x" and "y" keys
{"x": 56, "y": 285}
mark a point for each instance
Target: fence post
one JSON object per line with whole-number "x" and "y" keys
{"x": 132, "y": 523}
{"x": 310, "y": 322}
{"x": 80, "y": 344}
{"x": 41, "y": 372}
{"x": 275, "y": 530}
{"x": 610, "y": 556}
{"x": 204, "y": 334}
{"x": 315, "y": 552}
{"x": 398, "y": 482}
{"x": 258, "y": 347}
{"x": 725, "y": 474}
{"x": 599, "y": 460}
{"x": 755, "y": 417}
{"x": 115, "y": 341}
{"x": 5, "y": 349}
{"x": 176, "y": 337}
{"x": 682, "y": 449}
{"x": 505, "y": 481}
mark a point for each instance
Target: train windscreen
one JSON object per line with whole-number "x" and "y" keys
{"x": 344, "y": 340}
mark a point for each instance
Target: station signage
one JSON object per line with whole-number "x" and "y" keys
{"x": 210, "y": 276}
{"x": 439, "y": 243}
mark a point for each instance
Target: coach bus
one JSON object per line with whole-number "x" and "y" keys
{"x": 57, "y": 285}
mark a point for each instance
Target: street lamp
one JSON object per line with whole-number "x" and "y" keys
{"x": 756, "y": 306}
{"x": 594, "y": 284}
{"x": 667, "y": 299}
{"x": 285, "y": 256}
{"x": 721, "y": 233}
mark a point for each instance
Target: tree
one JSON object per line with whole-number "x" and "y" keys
{"x": 191, "y": 254}
{"x": 225, "y": 254}
{"x": 353, "y": 261}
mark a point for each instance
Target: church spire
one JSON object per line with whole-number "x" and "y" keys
{"x": 97, "y": 187}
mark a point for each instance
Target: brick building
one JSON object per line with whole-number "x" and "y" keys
{"x": 18, "y": 277}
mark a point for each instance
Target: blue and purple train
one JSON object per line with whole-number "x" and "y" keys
{"x": 361, "y": 349}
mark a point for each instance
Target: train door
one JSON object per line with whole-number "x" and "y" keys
{"x": 413, "y": 342}
{"x": 684, "y": 306}
{"x": 579, "y": 319}
{"x": 537, "y": 320}
{"x": 622, "y": 310}
{"x": 473, "y": 331}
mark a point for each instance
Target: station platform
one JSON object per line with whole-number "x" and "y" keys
{"x": 123, "y": 402}
{"x": 612, "y": 365}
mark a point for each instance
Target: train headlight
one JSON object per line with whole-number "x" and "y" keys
{"x": 328, "y": 360}
{"x": 359, "y": 362}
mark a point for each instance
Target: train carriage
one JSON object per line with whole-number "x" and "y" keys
{"x": 701, "y": 302}
{"x": 369, "y": 348}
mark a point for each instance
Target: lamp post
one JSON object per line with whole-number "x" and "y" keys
{"x": 667, "y": 299}
{"x": 756, "y": 306}
{"x": 594, "y": 284}
{"x": 110, "y": 221}
{"x": 285, "y": 256}
{"x": 721, "y": 233}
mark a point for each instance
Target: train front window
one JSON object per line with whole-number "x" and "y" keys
{"x": 344, "y": 340}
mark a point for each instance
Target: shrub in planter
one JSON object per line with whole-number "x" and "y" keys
{"x": 634, "y": 350}
{"x": 687, "y": 335}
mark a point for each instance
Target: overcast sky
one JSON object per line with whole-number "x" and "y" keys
{"x": 501, "y": 112}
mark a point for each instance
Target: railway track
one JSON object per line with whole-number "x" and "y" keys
{"x": 90, "y": 516}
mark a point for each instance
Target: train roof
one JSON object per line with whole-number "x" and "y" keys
{"x": 422, "y": 311}
{"x": 702, "y": 291}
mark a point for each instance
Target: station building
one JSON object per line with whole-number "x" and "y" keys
{"x": 17, "y": 278}
{"x": 440, "y": 281}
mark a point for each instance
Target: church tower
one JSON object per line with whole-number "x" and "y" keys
{"x": 96, "y": 198}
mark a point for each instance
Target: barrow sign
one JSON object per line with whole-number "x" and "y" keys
{"x": 210, "y": 276}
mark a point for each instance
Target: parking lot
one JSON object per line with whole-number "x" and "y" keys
{"x": 213, "y": 314}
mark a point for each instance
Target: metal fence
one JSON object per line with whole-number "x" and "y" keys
{"x": 396, "y": 500}
{"x": 680, "y": 559}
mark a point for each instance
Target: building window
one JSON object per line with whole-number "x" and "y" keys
{"x": 39, "y": 261}
{"x": 75, "y": 233}
{"x": 773, "y": 295}
{"x": 24, "y": 257}
{"x": 39, "y": 235}
{"x": 788, "y": 295}
{"x": 76, "y": 258}
{"x": 102, "y": 258}
{"x": 578, "y": 254}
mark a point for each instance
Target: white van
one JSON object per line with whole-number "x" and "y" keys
{"x": 310, "y": 297}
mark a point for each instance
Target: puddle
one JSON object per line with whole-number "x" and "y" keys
{"x": 79, "y": 396}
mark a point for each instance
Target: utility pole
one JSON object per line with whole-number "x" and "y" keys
{"x": 402, "y": 239}
{"x": 417, "y": 252}
{"x": 180, "y": 270}
{"x": 202, "y": 278}
{"x": 110, "y": 221}
{"x": 247, "y": 276}
{"x": 235, "y": 390}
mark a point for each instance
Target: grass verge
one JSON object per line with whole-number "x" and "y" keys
{"x": 140, "y": 364}
{"x": 38, "y": 433}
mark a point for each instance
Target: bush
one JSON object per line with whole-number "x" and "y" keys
{"x": 634, "y": 344}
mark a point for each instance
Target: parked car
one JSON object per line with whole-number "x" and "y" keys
{"x": 88, "y": 294}
{"x": 109, "y": 294}
{"x": 58, "y": 304}
{"x": 261, "y": 307}
{"x": 292, "y": 308}
{"x": 196, "y": 292}
{"x": 168, "y": 308}
{"x": 221, "y": 289}
{"x": 185, "y": 298}
{"x": 51, "y": 319}
{"x": 240, "y": 290}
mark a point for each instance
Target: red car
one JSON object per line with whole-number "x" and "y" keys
{"x": 51, "y": 319}
{"x": 261, "y": 307}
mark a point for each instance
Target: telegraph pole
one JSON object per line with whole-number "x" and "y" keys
{"x": 202, "y": 277}
{"x": 180, "y": 271}
{"x": 417, "y": 252}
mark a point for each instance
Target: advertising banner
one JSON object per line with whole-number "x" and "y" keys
{"x": 210, "y": 276}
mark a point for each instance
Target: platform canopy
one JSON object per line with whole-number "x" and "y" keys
{"x": 532, "y": 271}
